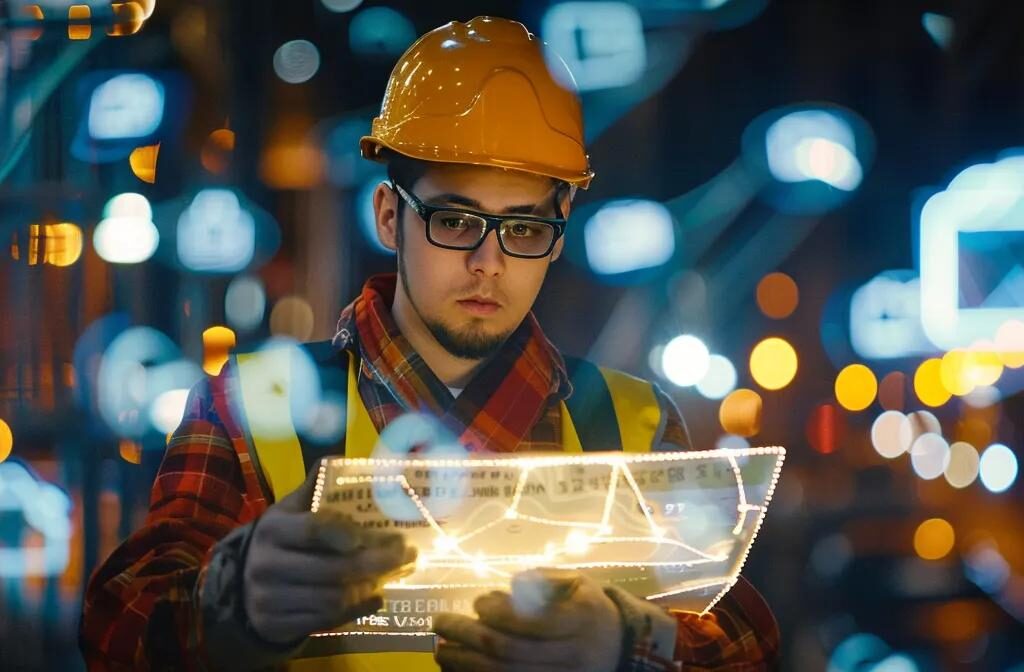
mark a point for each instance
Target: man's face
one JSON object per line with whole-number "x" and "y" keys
{"x": 437, "y": 281}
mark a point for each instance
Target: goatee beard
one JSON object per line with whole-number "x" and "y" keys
{"x": 474, "y": 345}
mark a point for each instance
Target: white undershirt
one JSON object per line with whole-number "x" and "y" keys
{"x": 456, "y": 391}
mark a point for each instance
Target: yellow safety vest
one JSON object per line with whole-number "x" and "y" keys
{"x": 620, "y": 412}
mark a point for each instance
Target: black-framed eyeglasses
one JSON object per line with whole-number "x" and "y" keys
{"x": 524, "y": 236}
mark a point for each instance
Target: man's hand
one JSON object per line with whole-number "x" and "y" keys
{"x": 306, "y": 572}
{"x": 552, "y": 620}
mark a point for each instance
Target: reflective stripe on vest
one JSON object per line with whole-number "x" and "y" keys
{"x": 263, "y": 381}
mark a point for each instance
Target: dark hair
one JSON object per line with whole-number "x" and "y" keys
{"x": 404, "y": 170}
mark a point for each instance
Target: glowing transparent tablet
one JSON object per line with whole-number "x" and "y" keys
{"x": 671, "y": 527}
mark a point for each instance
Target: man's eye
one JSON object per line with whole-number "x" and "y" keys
{"x": 522, "y": 229}
{"x": 454, "y": 223}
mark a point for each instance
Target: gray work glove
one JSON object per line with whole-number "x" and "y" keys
{"x": 305, "y": 572}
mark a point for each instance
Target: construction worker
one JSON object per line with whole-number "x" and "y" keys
{"x": 232, "y": 571}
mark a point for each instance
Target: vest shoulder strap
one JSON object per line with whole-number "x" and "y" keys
{"x": 610, "y": 409}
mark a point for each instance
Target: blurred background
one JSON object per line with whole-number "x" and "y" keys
{"x": 806, "y": 225}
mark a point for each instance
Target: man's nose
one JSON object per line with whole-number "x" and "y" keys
{"x": 488, "y": 258}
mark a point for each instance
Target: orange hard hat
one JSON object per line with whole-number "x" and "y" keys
{"x": 481, "y": 92}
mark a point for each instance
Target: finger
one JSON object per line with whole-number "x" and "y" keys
{"x": 534, "y": 589}
{"x": 327, "y": 570}
{"x": 472, "y": 634}
{"x": 331, "y": 602}
{"x": 456, "y": 658}
{"x": 324, "y": 531}
{"x": 288, "y": 627}
{"x": 560, "y": 620}
{"x": 324, "y": 568}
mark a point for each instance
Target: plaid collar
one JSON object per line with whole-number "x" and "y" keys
{"x": 502, "y": 402}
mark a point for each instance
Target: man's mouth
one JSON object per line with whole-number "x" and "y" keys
{"x": 479, "y": 305}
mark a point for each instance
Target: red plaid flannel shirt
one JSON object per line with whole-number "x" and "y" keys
{"x": 141, "y": 607}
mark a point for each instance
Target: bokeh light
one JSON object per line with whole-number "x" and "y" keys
{"x": 720, "y": 378}
{"x": 929, "y": 455}
{"x": 919, "y": 423}
{"x": 982, "y": 396}
{"x": 740, "y": 413}
{"x": 63, "y": 243}
{"x": 341, "y": 6}
{"x": 963, "y": 466}
{"x": 955, "y": 373}
{"x": 934, "y": 539}
{"x": 928, "y": 383}
{"x": 825, "y": 428}
{"x": 296, "y": 61}
{"x": 631, "y": 235}
{"x": 986, "y": 368}
{"x": 292, "y": 316}
{"x": 215, "y": 233}
{"x": 380, "y": 32}
{"x": 167, "y": 410}
{"x": 685, "y": 360}
{"x": 731, "y": 442}
{"x": 813, "y": 145}
{"x": 143, "y": 162}
{"x": 1010, "y": 343}
{"x": 130, "y": 451}
{"x": 126, "y": 235}
{"x": 217, "y": 150}
{"x": 856, "y": 387}
{"x": 217, "y": 344}
{"x": 891, "y": 391}
{"x": 280, "y": 365}
{"x": 998, "y": 468}
{"x": 6, "y": 440}
{"x": 139, "y": 366}
{"x": 777, "y": 295}
{"x": 245, "y": 303}
{"x": 773, "y": 363}
{"x": 889, "y": 436}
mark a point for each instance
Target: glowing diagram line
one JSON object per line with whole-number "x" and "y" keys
{"x": 655, "y": 530}
{"x": 619, "y": 466}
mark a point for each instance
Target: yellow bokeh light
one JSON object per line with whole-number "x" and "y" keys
{"x": 128, "y": 18}
{"x": 131, "y": 451}
{"x": 63, "y": 244}
{"x": 143, "y": 162}
{"x": 934, "y": 539}
{"x": 777, "y": 295}
{"x": 76, "y": 15}
{"x": 928, "y": 383}
{"x": 955, "y": 372}
{"x": 740, "y": 412}
{"x": 773, "y": 363}
{"x": 983, "y": 364}
{"x": 217, "y": 344}
{"x": 6, "y": 441}
{"x": 856, "y": 387}
{"x": 292, "y": 316}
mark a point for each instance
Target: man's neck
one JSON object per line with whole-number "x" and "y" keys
{"x": 452, "y": 371}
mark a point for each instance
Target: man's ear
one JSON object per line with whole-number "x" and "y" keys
{"x": 385, "y": 210}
